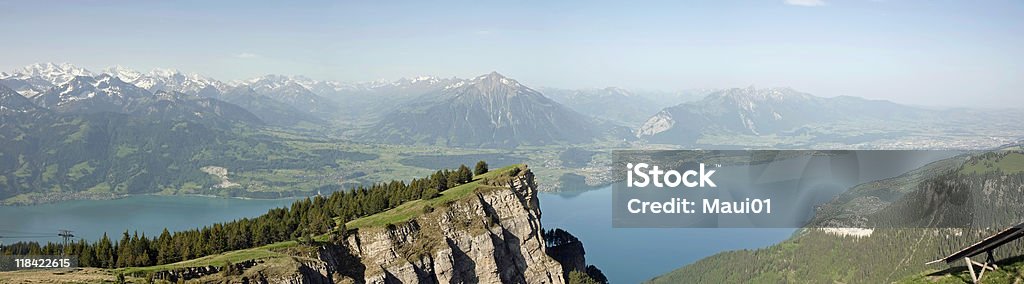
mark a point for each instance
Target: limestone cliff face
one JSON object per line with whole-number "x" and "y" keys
{"x": 494, "y": 237}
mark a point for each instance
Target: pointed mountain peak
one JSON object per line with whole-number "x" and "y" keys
{"x": 490, "y": 110}
{"x": 495, "y": 79}
{"x": 494, "y": 75}
{"x": 11, "y": 101}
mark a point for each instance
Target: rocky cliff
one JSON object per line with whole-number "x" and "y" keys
{"x": 494, "y": 237}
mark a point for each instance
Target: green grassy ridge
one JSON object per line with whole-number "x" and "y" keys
{"x": 410, "y": 209}
{"x": 1012, "y": 162}
{"x": 263, "y": 252}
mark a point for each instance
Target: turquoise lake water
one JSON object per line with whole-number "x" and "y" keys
{"x": 631, "y": 255}
{"x": 89, "y": 219}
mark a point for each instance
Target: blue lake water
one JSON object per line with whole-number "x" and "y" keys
{"x": 89, "y": 219}
{"x": 631, "y": 255}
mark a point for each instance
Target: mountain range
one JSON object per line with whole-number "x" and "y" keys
{"x": 748, "y": 111}
{"x": 68, "y": 130}
{"x": 169, "y": 80}
{"x": 35, "y": 79}
{"x": 74, "y": 134}
{"x": 783, "y": 117}
{"x": 495, "y": 111}
{"x": 487, "y": 111}
{"x": 613, "y": 104}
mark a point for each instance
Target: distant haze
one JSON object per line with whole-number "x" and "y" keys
{"x": 940, "y": 53}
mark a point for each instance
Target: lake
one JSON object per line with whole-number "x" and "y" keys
{"x": 632, "y": 255}
{"x": 89, "y": 219}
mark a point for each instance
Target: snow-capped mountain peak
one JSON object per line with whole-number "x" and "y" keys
{"x": 165, "y": 72}
{"x": 90, "y": 94}
{"x": 415, "y": 80}
{"x": 165, "y": 80}
{"x": 490, "y": 109}
{"x": 56, "y": 74}
{"x": 493, "y": 79}
{"x": 123, "y": 73}
{"x": 455, "y": 85}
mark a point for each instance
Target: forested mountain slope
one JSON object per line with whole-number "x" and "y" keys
{"x": 967, "y": 198}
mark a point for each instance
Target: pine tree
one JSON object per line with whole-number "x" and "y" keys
{"x": 464, "y": 174}
{"x": 124, "y": 251}
{"x": 165, "y": 249}
{"x": 481, "y": 168}
{"x": 87, "y": 257}
{"x": 429, "y": 193}
{"x": 105, "y": 252}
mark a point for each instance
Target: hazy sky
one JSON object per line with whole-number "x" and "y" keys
{"x": 922, "y": 52}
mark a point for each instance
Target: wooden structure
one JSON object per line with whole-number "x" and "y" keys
{"x": 984, "y": 246}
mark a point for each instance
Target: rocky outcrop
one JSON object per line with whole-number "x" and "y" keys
{"x": 187, "y": 273}
{"x": 325, "y": 264}
{"x": 494, "y": 237}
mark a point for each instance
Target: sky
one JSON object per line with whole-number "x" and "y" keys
{"x": 941, "y": 53}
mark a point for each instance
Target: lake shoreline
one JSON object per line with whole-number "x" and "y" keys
{"x": 81, "y": 196}
{"x": 149, "y": 214}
